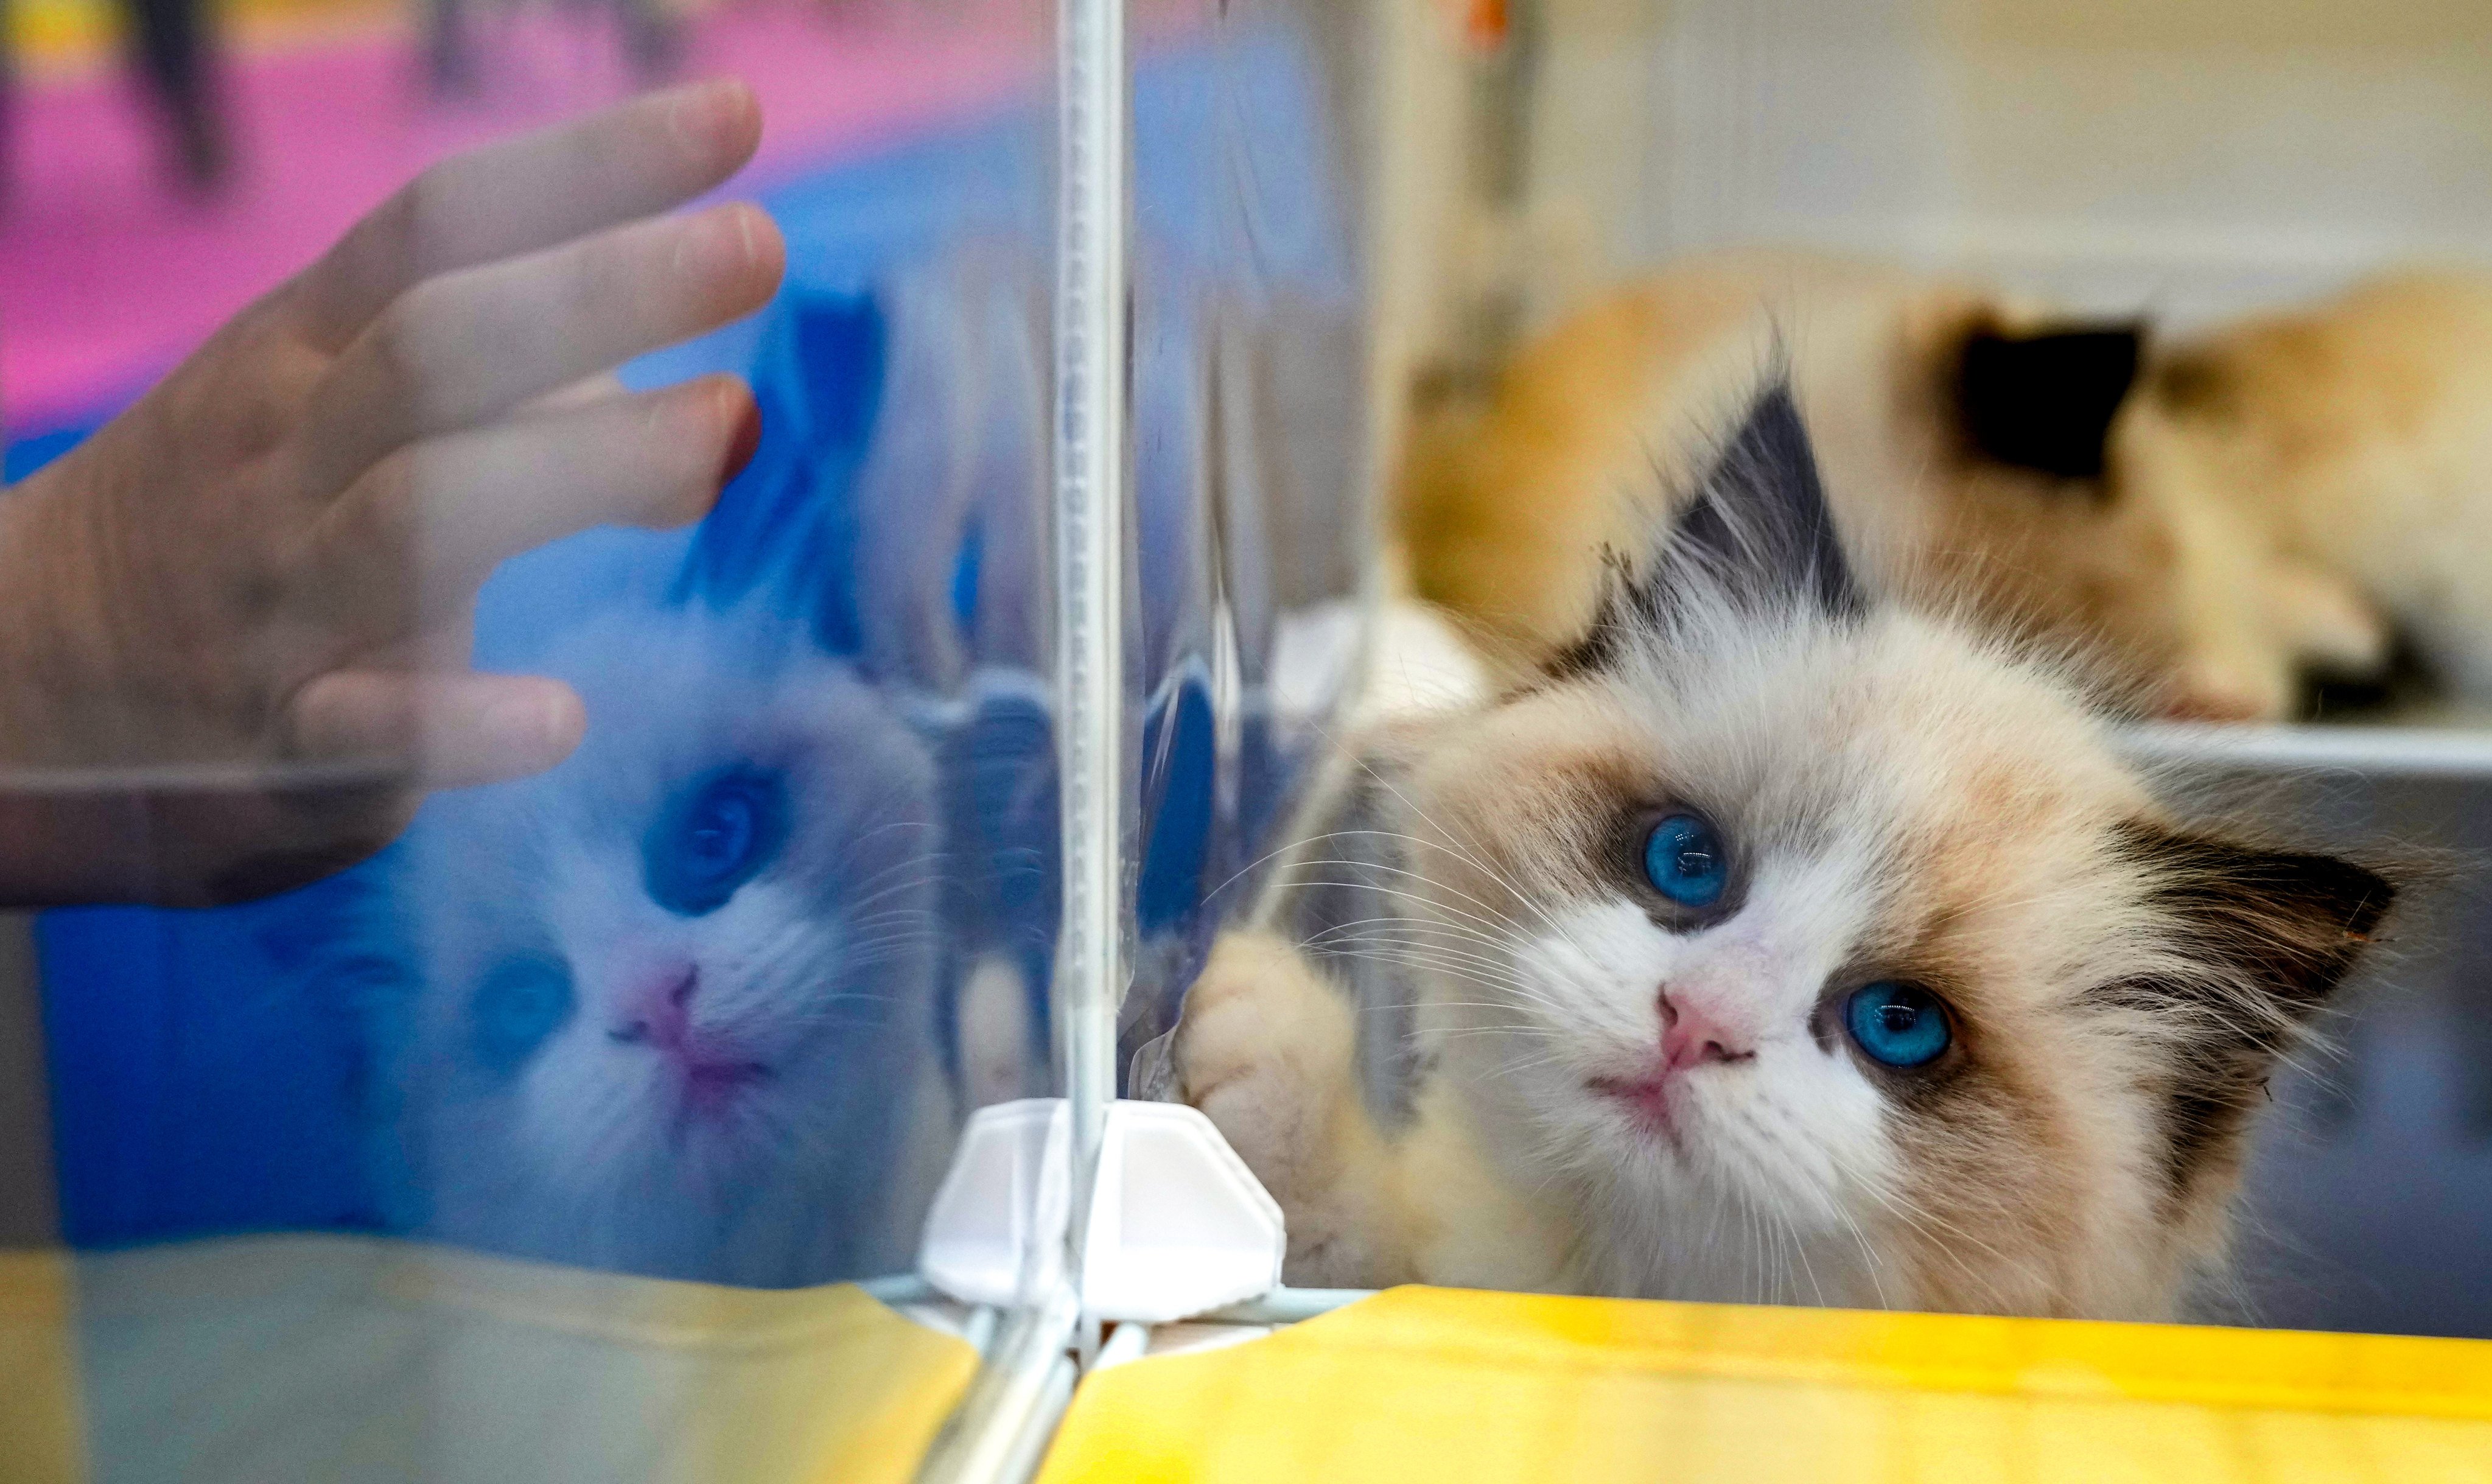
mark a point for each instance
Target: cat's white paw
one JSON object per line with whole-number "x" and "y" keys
{"x": 1264, "y": 1049}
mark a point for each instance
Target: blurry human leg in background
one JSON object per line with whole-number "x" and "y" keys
{"x": 174, "y": 45}
{"x": 651, "y": 38}
{"x": 7, "y": 100}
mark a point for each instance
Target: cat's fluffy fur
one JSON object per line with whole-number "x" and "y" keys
{"x": 2352, "y": 438}
{"x": 1504, "y": 503}
{"x": 561, "y": 1134}
{"x": 1902, "y": 799}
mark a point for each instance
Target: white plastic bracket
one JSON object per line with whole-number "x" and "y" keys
{"x": 1178, "y": 1225}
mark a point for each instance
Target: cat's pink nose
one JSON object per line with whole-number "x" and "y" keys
{"x": 660, "y": 1013}
{"x": 1691, "y": 1036}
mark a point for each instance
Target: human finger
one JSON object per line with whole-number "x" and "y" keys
{"x": 453, "y": 728}
{"x": 631, "y": 160}
{"x": 457, "y": 350}
{"x": 415, "y": 536}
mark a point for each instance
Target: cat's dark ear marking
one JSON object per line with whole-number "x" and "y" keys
{"x": 1759, "y": 531}
{"x": 2276, "y": 933}
{"x": 1620, "y": 610}
{"x": 308, "y": 928}
{"x": 787, "y": 521}
{"x": 2046, "y": 399}
{"x": 1762, "y": 524}
{"x": 2292, "y": 923}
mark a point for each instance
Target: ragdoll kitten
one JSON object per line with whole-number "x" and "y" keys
{"x": 677, "y": 996}
{"x": 2353, "y": 438}
{"x": 1963, "y": 435}
{"x": 1772, "y": 941}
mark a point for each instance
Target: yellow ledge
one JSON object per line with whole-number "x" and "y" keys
{"x": 328, "y": 1357}
{"x": 1447, "y": 1386}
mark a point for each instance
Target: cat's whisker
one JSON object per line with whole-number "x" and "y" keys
{"x": 1433, "y": 925}
{"x": 1452, "y": 973}
{"x": 1471, "y": 857}
{"x": 1416, "y": 952}
{"x": 1404, "y": 838}
{"x": 1491, "y": 920}
{"x": 1493, "y": 976}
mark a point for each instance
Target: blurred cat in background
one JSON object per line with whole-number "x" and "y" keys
{"x": 1771, "y": 940}
{"x": 1963, "y": 435}
{"x": 2351, "y": 438}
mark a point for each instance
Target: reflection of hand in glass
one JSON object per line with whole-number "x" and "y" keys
{"x": 234, "y": 623}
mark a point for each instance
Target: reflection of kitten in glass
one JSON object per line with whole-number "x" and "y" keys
{"x": 679, "y": 1000}
{"x": 1771, "y": 943}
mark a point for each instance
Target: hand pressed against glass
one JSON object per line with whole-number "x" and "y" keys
{"x": 234, "y": 623}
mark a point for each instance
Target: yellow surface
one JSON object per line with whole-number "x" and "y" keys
{"x": 1448, "y": 1387}
{"x": 38, "y": 1417}
{"x": 335, "y": 1358}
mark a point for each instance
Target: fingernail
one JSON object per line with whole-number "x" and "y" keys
{"x": 534, "y": 732}
{"x": 745, "y": 442}
{"x": 518, "y": 725}
{"x": 721, "y": 241}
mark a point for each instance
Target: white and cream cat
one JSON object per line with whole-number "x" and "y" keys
{"x": 1771, "y": 942}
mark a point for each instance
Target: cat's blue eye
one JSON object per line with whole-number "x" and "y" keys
{"x": 1684, "y": 859}
{"x": 520, "y": 1003}
{"x": 719, "y": 832}
{"x": 1898, "y": 1025}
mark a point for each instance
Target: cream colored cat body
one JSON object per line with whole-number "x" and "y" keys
{"x": 2356, "y": 436}
{"x": 1503, "y": 505}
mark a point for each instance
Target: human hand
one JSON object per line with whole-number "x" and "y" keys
{"x": 235, "y": 624}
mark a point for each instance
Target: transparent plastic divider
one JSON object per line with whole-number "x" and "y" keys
{"x": 1001, "y": 1428}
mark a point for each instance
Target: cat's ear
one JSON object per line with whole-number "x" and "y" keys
{"x": 2045, "y": 399}
{"x": 2266, "y": 936}
{"x": 785, "y": 525}
{"x": 1759, "y": 535}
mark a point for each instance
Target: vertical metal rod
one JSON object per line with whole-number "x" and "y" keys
{"x": 999, "y": 1431}
{"x": 1090, "y": 378}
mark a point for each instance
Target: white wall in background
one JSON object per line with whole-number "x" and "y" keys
{"x": 2190, "y": 154}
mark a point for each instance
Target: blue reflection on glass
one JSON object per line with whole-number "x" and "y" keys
{"x": 549, "y": 1021}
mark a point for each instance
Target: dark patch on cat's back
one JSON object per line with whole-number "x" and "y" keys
{"x": 2046, "y": 400}
{"x": 2194, "y": 384}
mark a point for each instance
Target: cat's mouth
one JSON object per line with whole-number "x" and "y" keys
{"x": 711, "y": 1086}
{"x": 1645, "y": 1100}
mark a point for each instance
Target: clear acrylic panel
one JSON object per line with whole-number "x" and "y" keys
{"x": 391, "y": 1111}
{"x": 1251, "y": 458}
{"x": 532, "y": 1143}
